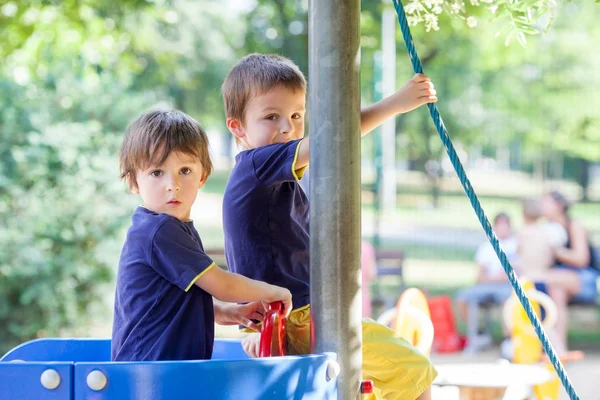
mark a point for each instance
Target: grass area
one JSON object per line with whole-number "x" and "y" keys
{"x": 496, "y": 192}
{"x": 456, "y": 212}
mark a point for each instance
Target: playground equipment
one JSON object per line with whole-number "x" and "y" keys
{"x": 272, "y": 345}
{"x": 526, "y": 348}
{"x": 411, "y": 320}
{"x": 78, "y": 369}
{"x": 447, "y": 338}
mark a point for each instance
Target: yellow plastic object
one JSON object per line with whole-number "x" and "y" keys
{"x": 413, "y": 320}
{"x": 527, "y": 346}
{"x": 549, "y": 390}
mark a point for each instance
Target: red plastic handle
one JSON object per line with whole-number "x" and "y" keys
{"x": 366, "y": 387}
{"x": 269, "y": 322}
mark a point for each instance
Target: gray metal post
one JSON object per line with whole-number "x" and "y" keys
{"x": 334, "y": 104}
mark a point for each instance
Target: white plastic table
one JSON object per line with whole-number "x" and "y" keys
{"x": 492, "y": 381}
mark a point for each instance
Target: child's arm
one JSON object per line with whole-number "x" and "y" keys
{"x": 417, "y": 91}
{"x": 239, "y": 314}
{"x": 579, "y": 254}
{"x": 235, "y": 288}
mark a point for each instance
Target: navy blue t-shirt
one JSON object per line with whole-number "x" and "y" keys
{"x": 159, "y": 313}
{"x": 265, "y": 218}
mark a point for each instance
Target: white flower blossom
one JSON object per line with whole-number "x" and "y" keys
{"x": 471, "y": 22}
{"x": 475, "y": 2}
{"x": 431, "y": 22}
{"x": 437, "y": 10}
{"x": 413, "y": 21}
{"x": 412, "y": 7}
{"x": 493, "y": 8}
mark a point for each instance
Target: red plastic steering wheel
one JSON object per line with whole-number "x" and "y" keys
{"x": 269, "y": 323}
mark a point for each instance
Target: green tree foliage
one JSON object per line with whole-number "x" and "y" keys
{"x": 73, "y": 74}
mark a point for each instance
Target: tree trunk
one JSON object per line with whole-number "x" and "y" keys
{"x": 583, "y": 178}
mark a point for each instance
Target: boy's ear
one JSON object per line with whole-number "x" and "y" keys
{"x": 132, "y": 185}
{"x": 202, "y": 182}
{"x": 235, "y": 127}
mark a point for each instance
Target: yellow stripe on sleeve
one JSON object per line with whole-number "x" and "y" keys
{"x": 198, "y": 276}
{"x": 297, "y": 173}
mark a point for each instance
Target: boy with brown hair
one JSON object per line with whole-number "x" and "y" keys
{"x": 265, "y": 211}
{"x": 165, "y": 282}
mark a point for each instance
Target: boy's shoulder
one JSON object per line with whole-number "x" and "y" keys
{"x": 262, "y": 152}
{"x": 148, "y": 226}
{"x": 264, "y": 166}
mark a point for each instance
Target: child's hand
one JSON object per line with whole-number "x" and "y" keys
{"x": 416, "y": 92}
{"x": 251, "y": 344}
{"x": 283, "y": 295}
{"x": 242, "y": 314}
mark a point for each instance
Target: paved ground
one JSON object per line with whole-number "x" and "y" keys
{"x": 585, "y": 374}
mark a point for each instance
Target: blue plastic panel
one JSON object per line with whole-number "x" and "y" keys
{"x": 98, "y": 350}
{"x": 253, "y": 379}
{"x": 228, "y": 349}
{"x": 61, "y": 349}
{"x": 21, "y": 381}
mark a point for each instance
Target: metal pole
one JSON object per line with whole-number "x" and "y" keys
{"x": 388, "y": 44}
{"x": 334, "y": 104}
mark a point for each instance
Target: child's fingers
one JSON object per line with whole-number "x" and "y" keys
{"x": 287, "y": 308}
{"x": 427, "y": 85}
{"x": 428, "y": 92}
{"x": 256, "y": 316}
{"x": 251, "y": 325}
{"x": 418, "y": 78}
{"x": 251, "y": 344}
{"x": 428, "y": 99}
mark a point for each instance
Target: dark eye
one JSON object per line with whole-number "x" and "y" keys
{"x": 296, "y": 116}
{"x": 272, "y": 117}
{"x": 185, "y": 171}
{"x": 156, "y": 173}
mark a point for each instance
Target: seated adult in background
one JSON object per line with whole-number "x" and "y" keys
{"x": 492, "y": 284}
{"x": 572, "y": 278}
{"x": 537, "y": 241}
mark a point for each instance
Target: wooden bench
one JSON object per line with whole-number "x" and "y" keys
{"x": 389, "y": 263}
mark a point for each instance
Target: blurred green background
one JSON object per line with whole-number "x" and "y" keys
{"x": 522, "y": 109}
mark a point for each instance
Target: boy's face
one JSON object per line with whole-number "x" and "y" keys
{"x": 502, "y": 228}
{"x": 273, "y": 117}
{"x": 172, "y": 187}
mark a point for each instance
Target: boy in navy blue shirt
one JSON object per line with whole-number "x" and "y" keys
{"x": 165, "y": 282}
{"x": 266, "y": 212}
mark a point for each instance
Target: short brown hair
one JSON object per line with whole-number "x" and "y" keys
{"x": 257, "y": 74}
{"x": 153, "y": 136}
{"x": 531, "y": 209}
